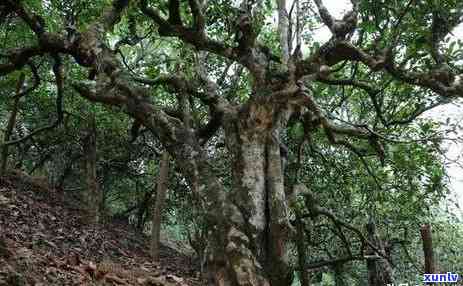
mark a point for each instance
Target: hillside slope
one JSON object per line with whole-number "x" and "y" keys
{"x": 43, "y": 241}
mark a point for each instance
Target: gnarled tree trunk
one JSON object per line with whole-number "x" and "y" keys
{"x": 253, "y": 249}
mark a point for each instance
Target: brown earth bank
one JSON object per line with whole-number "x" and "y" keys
{"x": 44, "y": 241}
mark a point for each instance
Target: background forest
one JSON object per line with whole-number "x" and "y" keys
{"x": 280, "y": 159}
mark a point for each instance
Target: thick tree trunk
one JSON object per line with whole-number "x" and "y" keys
{"x": 426, "y": 237}
{"x": 248, "y": 223}
{"x": 253, "y": 246}
{"x": 379, "y": 269}
{"x": 256, "y": 238}
{"x": 161, "y": 192}
{"x": 11, "y": 124}
{"x": 92, "y": 194}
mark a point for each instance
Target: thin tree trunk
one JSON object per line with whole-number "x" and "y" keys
{"x": 379, "y": 269}
{"x": 426, "y": 237}
{"x": 92, "y": 194}
{"x": 283, "y": 25}
{"x": 161, "y": 191}
{"x": 11, "y": 124}
{"x": 298, "y": 24}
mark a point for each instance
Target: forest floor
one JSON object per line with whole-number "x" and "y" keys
{"x": 44, "y": 241}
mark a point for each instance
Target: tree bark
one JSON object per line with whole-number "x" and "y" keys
{"x": 283, "y": 25}
{"x": 254, "y": 249}
{"x": 92, "y": 194}
{"x": 379, "y": 269}
{"x": 161, "y": 192}
{"x": 426, "y": 237}
{"x": 11, "y": 124}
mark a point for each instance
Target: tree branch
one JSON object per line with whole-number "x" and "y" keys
{"x": 34, "y": 85}
{"x": 193, "y": 36}
{"x": 59, "y": 81}
{"x": 440, "y": 80}
{"x": 340, "y": 260}
{"x": 35, "y": 23}
{"x": 19, "y": 58}
{"x": 339, "y": 28}
{"x": 315, "y": 210}
{"x": 199, "y": 21}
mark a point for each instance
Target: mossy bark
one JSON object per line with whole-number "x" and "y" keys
{"x": 252, "y": 249}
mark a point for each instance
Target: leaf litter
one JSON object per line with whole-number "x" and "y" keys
{"x": 44, "y": 241}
